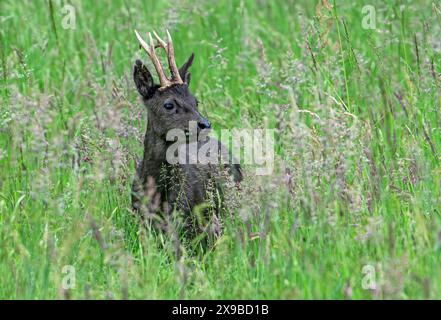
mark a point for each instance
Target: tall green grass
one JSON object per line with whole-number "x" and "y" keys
{"x": 357, "y": 173}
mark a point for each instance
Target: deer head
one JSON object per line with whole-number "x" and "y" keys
{"x": 170, "y": 103}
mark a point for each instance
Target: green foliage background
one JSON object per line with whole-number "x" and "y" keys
{"x": 356, "y": 184}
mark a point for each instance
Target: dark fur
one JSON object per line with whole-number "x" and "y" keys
{"x": 181, "y": 187}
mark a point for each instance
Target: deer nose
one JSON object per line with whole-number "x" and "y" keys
{"x": 204, "y": 124}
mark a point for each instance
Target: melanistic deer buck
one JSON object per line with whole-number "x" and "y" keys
{"x": 160, "y": 187}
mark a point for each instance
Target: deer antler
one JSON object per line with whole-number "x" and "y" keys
{"x": 168, "y": 47}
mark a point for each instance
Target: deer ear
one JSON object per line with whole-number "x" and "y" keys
{"x": 143, "y": 80}
{"x": 183, "y": 71}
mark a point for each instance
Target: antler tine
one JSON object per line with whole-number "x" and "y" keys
{"x": 150, "y": 49}
{"x": 161, "y": 42}
{"x": 168, "y": 47}
{"x": 171, "y": 60}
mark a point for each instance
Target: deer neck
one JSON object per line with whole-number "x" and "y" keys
{"x": 154, "y": 154}
{"x": 155, "y": 147}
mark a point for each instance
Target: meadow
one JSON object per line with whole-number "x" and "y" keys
{"x": 351, "y": 210}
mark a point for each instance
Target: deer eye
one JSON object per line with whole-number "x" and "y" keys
{"x": 168, "y": 105}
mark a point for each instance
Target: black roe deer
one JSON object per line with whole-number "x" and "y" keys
{"x": 161, "y": 188}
